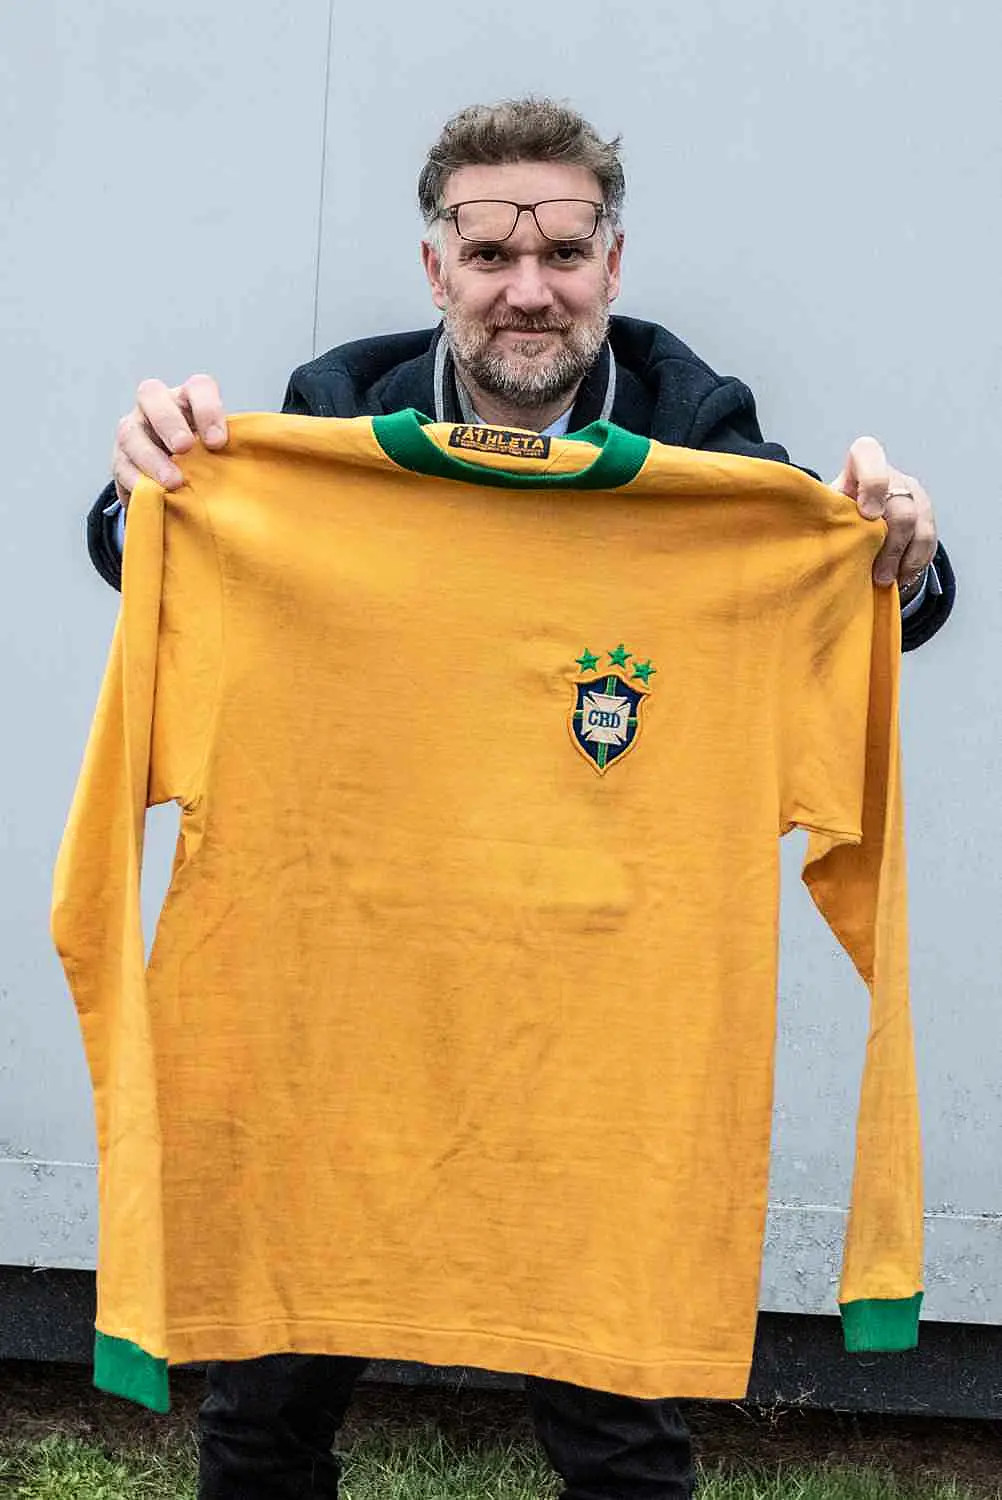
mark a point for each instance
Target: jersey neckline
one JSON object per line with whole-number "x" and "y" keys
{"x": 620, "y": 458}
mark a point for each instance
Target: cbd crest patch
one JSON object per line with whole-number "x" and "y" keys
{"x": 606, "y": 719}
{"x": 500, "y": 440}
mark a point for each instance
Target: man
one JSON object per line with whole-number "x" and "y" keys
{"x": 523, "y": 257}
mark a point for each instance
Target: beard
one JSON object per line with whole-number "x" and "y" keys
{"x": 529, "y": 374}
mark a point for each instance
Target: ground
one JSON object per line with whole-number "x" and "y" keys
{"x": 38, "y": 1400}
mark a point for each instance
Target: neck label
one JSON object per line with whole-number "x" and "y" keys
{"x": 500, "y": 440}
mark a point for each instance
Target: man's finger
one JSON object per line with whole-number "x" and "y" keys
{"x": 126, "y": 477}
{"x": 200, "y": 394}
{"x": 921, "y": 550}
{"x": 923, "y": 540}
{"x": 867, "y": 466}
{"x": 148, "y": 457}
{"x": 888, "y": 564}
{"x": 160, "y": 409}
{"x": 900, "y": 518}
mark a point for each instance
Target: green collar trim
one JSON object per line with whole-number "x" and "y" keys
{"x": 123, "y": 1369}
{"x": 621, "y": 458}
{"x": 887, "y": 1325}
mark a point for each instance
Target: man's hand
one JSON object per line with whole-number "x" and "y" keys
{"x": 166, "y": 420}
{"x": 881, "y": 491}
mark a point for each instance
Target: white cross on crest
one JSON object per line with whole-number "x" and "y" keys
{"x": 604, "y": 719}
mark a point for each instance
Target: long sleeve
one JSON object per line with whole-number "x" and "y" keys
{"x": 146, "y": 746}
{"x": 921, "y": 624}
{"x": 102, "y": 537}
{"x": 97, "y": 928}
{"x": 860, "y": 889}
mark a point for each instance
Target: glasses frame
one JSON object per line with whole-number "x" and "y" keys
{"x": 452, "y": 213}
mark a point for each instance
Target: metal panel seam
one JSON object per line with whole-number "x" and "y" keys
{"x": 323, "y": 174}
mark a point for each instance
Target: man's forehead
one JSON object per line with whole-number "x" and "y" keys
{"x": 522, "y": 181}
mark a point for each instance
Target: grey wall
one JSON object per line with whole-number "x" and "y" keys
{"x": 813, "y": 204}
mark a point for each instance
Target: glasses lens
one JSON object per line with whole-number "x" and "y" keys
{"x": 485, "y": 221}
{"x": 566, "y": 219}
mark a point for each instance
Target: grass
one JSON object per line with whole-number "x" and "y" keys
{"x": 62, "y": 1440}
{"x": 68, "y": 1469}
{"x": 425, "y": 1466}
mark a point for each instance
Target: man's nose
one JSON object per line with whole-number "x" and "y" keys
{"x": 527, "y": 288}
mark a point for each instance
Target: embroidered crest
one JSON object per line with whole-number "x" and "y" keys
{"x": 606, "y": 719}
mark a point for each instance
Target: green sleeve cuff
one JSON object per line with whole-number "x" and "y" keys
{"x": 123, "y": 1369}
{"x": 881, "y": 1325}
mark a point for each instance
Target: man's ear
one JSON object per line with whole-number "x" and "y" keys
{"x": 614, "y": 261}
{"x": 433, "y": 269}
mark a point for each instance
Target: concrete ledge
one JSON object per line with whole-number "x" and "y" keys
{"x": 799, "y": 1359}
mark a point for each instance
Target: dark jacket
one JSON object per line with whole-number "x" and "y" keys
{"x": 658, "y": 388}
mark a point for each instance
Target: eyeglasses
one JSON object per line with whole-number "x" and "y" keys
{"x": 494, "y": 220}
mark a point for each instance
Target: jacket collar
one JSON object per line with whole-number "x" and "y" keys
{"x": 658, "y": 380}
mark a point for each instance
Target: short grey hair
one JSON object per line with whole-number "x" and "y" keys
{"x": 528, "y": 129}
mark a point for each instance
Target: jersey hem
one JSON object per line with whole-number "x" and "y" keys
{"x": 123, "y": 1369}
{"x": 879, "y": 1325}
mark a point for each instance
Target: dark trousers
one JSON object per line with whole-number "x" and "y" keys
{"x": 267, "y": 1427}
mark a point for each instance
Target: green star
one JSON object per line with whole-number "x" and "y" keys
{"x": 619, "y": 656}
{"x": 586, "y": 661}
{"x": 644, "y": 670}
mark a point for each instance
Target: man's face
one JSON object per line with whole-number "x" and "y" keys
{"x": 526, "y": 318}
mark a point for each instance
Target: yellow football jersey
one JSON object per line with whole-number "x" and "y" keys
{"x": 456, "y": 1041}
